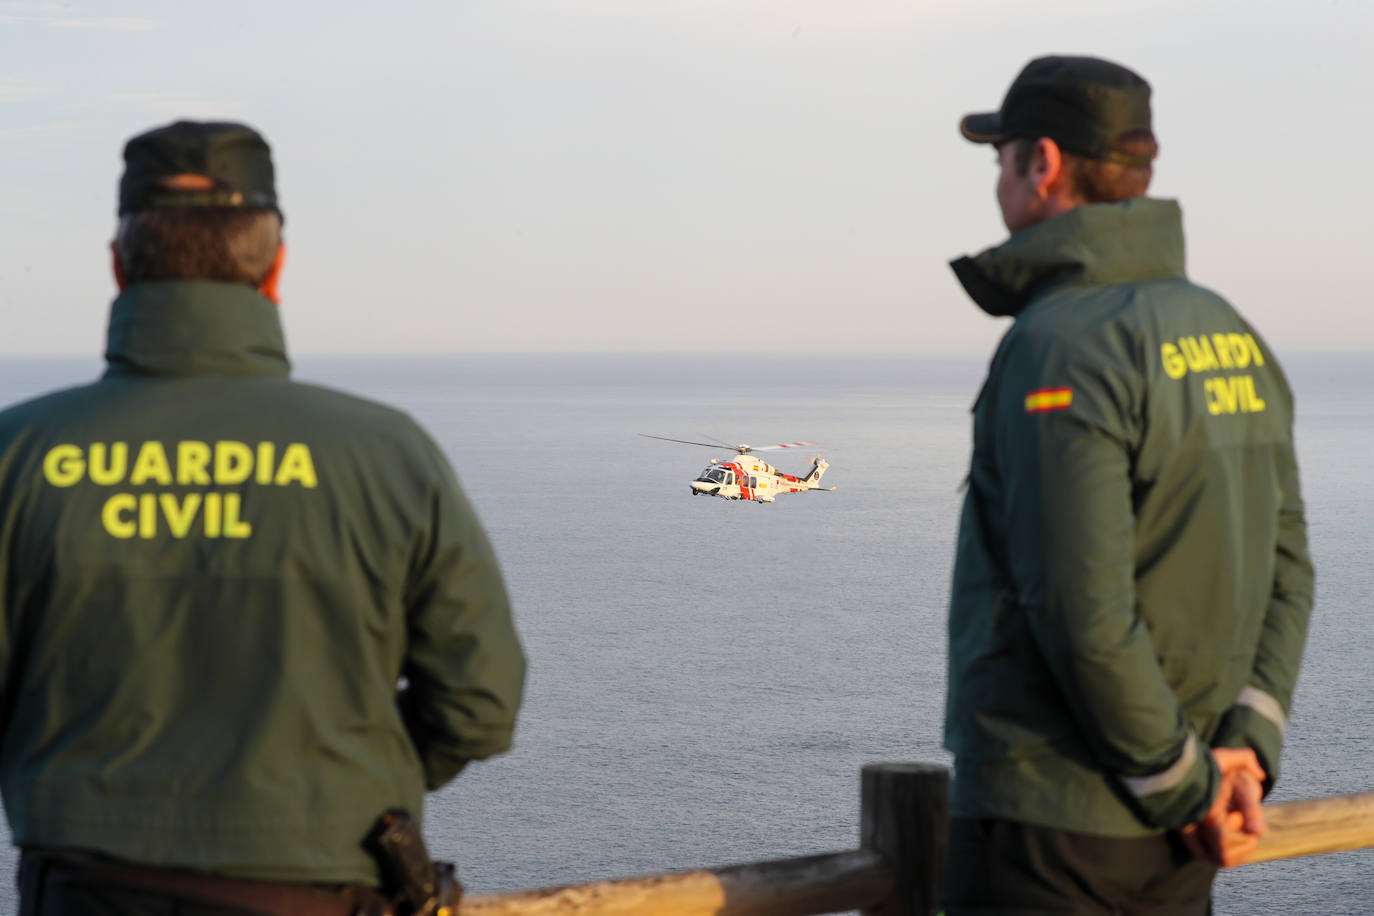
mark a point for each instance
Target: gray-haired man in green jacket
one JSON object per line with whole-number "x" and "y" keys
{"x": 242, "y": 615}
{"x": 1132, "y": 583}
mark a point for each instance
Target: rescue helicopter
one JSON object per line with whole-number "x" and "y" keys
{"x": 749, "y": 477}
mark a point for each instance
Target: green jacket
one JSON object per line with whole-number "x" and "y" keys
{"x": 214, "y": 579}
{"x": 1132, "y": 584}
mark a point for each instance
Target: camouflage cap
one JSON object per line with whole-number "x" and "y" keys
{"x": 234, "y": 157}
{"x": 1081, "y": 103}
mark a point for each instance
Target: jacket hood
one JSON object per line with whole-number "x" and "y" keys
{"x": 195, "y": 327}
{"x": 1125, "y": 242}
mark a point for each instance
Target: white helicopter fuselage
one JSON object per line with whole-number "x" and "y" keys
{"x": 749, "y": 477}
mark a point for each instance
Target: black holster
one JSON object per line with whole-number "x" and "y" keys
{"x": 416, "y": 885}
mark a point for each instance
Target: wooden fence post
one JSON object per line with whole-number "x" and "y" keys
{"x": 905, "y": 818}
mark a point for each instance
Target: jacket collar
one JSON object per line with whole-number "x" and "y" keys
{"x": 1126, "y": 242}
{"x": 194, "y": 327}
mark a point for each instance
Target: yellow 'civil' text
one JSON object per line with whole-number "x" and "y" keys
{"x": 1232, "y": 394}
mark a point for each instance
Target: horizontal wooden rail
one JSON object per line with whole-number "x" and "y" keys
{"x": 786, "y": 887}
{"x": 897, "y": 872}
{"x": 1307, "y": 828}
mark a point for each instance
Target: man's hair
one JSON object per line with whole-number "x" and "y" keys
{"x": 229, "y": 244}
{"x": 1100, "y": 181}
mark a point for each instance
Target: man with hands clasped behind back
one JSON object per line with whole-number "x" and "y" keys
{"x": 1132, "y": 583}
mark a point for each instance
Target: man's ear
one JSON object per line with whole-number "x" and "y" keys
{"x": 268, "y": 287}
{"x": 1046, "y": 166}
{"x": 120, "y": 279}
{"x": 1052, "y": 180}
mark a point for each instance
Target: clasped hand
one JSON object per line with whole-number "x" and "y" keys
{"x": 1230, "y": 831}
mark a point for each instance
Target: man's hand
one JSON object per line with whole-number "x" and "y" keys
{"x": 1230, "y": 830}
{"x": 1244, "y": 767}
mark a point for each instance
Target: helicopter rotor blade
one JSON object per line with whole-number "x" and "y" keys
{"x": 769, "y": 448}
{"x": 733, "y": 448}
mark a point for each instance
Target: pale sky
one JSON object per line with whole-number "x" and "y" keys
{"x": 675, "y": 175}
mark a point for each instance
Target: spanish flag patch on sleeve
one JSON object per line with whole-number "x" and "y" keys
{"x": 1046, "y": 399}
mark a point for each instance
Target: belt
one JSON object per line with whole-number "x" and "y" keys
{"x": 270, "y": 898}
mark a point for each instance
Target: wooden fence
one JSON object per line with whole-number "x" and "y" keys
{"x": 897, "y": 869}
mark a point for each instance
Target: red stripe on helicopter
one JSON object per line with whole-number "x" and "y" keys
{"x": 745, "y": 491}
{"x": 740, "y": 479}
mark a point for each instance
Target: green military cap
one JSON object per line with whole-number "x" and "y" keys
{"x": 234, "y": 157}
{"x": 1081, "y": 103}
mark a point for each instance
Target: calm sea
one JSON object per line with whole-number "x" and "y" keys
{"x": 708, "y": 677}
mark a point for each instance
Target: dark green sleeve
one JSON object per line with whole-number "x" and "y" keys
{"x": 464, "y": 665}
{"x": 1260, "y": 715}
{"x": 1071, "y": 526}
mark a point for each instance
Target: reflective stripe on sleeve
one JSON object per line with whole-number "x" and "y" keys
{"x": 1265, "y": 705}
{"x": 1168, "y": 778}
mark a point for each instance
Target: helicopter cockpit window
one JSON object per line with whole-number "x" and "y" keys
{"x": 714, "y": 475}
